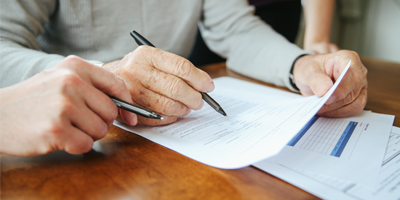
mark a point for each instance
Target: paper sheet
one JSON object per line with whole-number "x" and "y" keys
{"x": 259, "y": 124}
{"x": 328, "y": 187}
{"x": 340, "y": 147}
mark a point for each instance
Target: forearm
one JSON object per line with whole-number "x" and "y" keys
{"x": 318, "y": 18}
{"x": 252, "y": 47}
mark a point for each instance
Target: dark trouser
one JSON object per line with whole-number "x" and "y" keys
{"x": 283, "y": 17}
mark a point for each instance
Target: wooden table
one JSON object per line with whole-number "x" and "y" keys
{"x": 127, "y": 166}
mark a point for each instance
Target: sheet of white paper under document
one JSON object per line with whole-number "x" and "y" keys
{"x": 259, "y": 124}
{"x": 328, "y": 187}
{"x": 350, "y": 148}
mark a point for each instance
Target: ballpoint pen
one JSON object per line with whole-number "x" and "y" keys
{"x": 135, "y": 109}
{"x": 140, "y": 40}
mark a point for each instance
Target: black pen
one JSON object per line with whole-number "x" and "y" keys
{"x": 135, "y": 109}
{"x": 140, "y": 40}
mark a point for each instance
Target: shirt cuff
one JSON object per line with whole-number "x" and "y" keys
{"x": 95, "y": 62}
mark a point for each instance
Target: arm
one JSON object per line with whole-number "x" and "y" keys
{"x": 21, "y": 23}
{"x": 63, "y": 108}
{"x": 255, "y": 50}
{"x": 168, "y": 88}
{"x": 318, "y": 17}
{"x": 251, "y": 47}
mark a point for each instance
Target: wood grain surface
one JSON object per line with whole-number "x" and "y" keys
{"x": 126, "y": 166}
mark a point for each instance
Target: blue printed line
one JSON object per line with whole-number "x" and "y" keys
{"x": 339, "y": 147}
{"x": 303, "y": 131}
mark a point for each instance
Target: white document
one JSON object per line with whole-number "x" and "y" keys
{"x": 328, "y": 187}
{"x": 349, "y": 148}
{"x": 259, "y": 124}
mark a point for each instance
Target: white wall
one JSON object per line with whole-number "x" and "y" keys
{"x": 382, "y": 30}
{"x": 369, "y": 27}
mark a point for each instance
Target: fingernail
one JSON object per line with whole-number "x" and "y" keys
{"x": 210, "y": 87}
{"x": 331, "y": 100}
{"x": 134, "y": 120}
{"x": 201, "y": 105}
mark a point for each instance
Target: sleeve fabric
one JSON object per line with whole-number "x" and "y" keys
{"x": 20, "y": 52}
{"x": 251, "y": 47}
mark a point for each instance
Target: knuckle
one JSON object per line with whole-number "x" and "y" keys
{"x": 144, "y": 51}
{"x": 175, "y": 87}
{"x": 73, "y": 60}
{"x": 80, "y": 147}
{"x": 349, "y": 98}
{"x": 119, "y": 87}
{"x": 168, "y": 106}
{"x": 342, "y": 95}
{"x": 65, "y": 107}
{"x": 70, "y": 80}
{"x": 54, "y": 130}
{"x": 197, "y": 99}
{"x": 183, "y": 67}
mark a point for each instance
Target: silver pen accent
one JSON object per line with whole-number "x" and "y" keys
{"x": 135, "y": 109}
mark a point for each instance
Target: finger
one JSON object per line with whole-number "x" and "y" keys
{"x": 321, "y": 49}
{"x": 105, "y": 81}
{"x": 333, "y": 48}
{"x": 156, "y": 102}
{"x": 171, "y": 87}
{"x": 351, "y": 97}
{"x": 87, "y": 121}
{"x": 319, "y": 82}
{"x": 355, "y": 107}
{"x": 74, "y": 141}
{"x": 180, "y": 67}
{"x": 120, "y": 119}
{"x": 156, "y": 122}
{"x": 353, "y": 79}
{"x": 99, "y": 103}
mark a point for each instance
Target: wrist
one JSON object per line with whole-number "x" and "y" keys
{"x": 296, "y": 62}
{"x": 315, "y": 40}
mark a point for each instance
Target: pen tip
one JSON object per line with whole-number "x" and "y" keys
{"x": 161, "y": 118}
{"x": 222, "y": 112}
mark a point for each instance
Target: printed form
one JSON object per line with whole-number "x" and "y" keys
{"x": 330, "y": 187}
{"x": 259, "y": 125}
{"x": 339, "y": 147}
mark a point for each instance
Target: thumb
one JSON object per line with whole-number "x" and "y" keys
{"x": 320, "y": 83}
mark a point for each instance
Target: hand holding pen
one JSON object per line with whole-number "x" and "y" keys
{"x": 140, "y": 40}
{"x": 162, "y": 82}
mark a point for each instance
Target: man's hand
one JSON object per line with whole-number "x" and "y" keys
{"x": 163, "y": 82}
{"x": 315, "y": 74}
{"x": 63, "y": 108}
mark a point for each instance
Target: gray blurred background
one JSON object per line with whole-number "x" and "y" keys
{"x": 370, "y": 27}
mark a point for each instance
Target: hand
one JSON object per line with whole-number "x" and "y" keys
{"x": 63, "y": 108}
{"x": 321, "y": 47}
{"x": 315, "y": 74}
{"x": 163, "y": 82}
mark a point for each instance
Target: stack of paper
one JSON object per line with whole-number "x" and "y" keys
{"x": 386, "y": 186}
{"x": 277, "y": 130}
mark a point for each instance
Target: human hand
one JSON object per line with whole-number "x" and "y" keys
{"x": 322, "y": 47}
{"x": 163, "y": 82}
{"x": 315, "y": 74}
{"x": 63, "y": 108}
